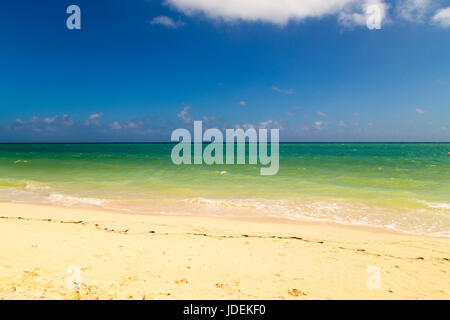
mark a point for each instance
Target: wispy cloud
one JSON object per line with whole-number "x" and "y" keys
{"x": 96, "y": 116}
{"x": 208, "y": 119}
{"x": 283, "y": 91}
{"x": 420, "y": 111}
{"x": 42, "y": 124}
{"x": 269, "y": 124}
{"x": 130, "y": 124}
{"x": 318, "y": 125}
{"x": 184, "y": 115}
{"x": 321, "y": 114}
{"x": 243, "y": 103}
{"x": 65, "y": 128}
{"x": 167, "y": 22}
{"x": 420, "y": 11}
{"x": 93, "y": 119}
{"x": 358, "y": 14}
{"x": 115, "y": 125}
{"x": 414, "y": 10}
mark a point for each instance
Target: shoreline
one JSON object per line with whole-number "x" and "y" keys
{"x": 135, "y": 256}
{"x": 250, "y": 219}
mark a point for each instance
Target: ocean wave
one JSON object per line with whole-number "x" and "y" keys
{"x": 432, "y": 220}
{"x": 418, "y": 221}
{"x": 437, "y": 205}
{"x": 35, "y": 186}
{"x": 67, "y": 200}
{"x": 35, "y": 192}
{"x": 23, "y": 184}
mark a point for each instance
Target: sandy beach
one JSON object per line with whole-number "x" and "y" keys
{"x": 124, "y": 256}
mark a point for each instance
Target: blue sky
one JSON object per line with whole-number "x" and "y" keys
{"x": 138, "y": 69}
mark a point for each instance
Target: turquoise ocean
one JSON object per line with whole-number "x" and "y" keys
{"x": 395, "y": 186}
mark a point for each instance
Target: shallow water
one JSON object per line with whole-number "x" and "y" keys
{"x": 404, "y": 187}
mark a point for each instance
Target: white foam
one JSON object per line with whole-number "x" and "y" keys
{"x": 73, "y": 201}
{"x": 433, "y": 220}
{"x": 35, "y": 186}
{"x": 421, "y": 221}
{"x": 437, "y": 205}
{"x": 19, "y": 161}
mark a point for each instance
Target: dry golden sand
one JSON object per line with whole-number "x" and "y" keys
{"x": 125, "y": 256}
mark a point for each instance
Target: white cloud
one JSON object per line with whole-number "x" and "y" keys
{"x": 209, "y": 118}
{"x": 318, "y": 125}
{"x": 65, "y": 128}
{"x": 39, "y": 124}
{"x": 45, "y": 124}
{"x": 360, "y": 13}
{"x": 269, "y": 124}
{"x": 130, "y": 124}
{"x": 342, "y": 123}
{"x": 245, "y": 126}
{"x": 167, "y": 21}
{"x": 420, "y": 111}
{"x": 283, "y": 91}
{"x": 321, "y": 114}
{"x": 115, "y": 125}
{"x": 134, "y": 124}
{"x": 95, "y": 116}
{"x": 414, "y": 10}
{"x": 93, "y": 119}
{"x": 442, "y": 17}
{"x": 273, "y": 11}
{"x": 243, "y": 103}
{"x": 184, "y": 115}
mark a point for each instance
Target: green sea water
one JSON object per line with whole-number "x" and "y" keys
{"x": 404, "y": 187}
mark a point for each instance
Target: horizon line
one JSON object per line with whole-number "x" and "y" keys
{"x": 174, "y": 142}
